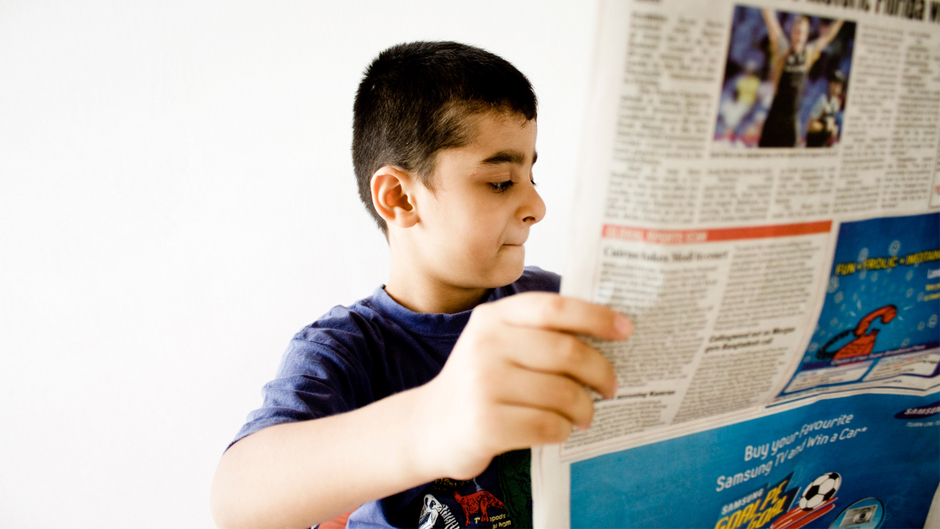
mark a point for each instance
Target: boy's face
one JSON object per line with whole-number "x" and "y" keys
{"x": 476, "y": 216}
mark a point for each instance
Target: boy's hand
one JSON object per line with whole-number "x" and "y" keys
{"x": 517, "y": 377}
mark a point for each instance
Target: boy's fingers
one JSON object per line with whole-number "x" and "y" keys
{"x": 560, "y": 313}
{"x": 565, "y": 354}
{"x": 553, "y": 393}
{"x": 529, "y": 427}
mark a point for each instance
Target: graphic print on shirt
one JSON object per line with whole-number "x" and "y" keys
{"x": 434, "y": 509}
{"x": 478, "y": 502}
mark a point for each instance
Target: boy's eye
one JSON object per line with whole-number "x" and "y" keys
{"x": 502, "y": 186}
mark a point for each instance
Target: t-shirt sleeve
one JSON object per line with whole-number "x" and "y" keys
{"x": 321, "y": 373}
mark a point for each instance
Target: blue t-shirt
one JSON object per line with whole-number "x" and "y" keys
{"x": 356, "y": 355}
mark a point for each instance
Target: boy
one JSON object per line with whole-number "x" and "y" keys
{"x": 402, "y": 402}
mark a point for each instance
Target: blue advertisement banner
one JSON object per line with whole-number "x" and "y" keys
{"x": 858, "y": 462}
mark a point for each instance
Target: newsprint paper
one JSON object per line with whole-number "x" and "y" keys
{"x": 759, "y": 191}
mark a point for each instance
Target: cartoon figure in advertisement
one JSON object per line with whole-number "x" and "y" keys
{"x": 864, "y": 342}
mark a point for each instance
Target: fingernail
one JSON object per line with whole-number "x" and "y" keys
{"x": 624, "y": 326}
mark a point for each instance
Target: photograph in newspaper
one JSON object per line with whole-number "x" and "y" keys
{"x": 865, "y": 461}
{"x": 879, "y": 324}
{"x": 786, "y": 79}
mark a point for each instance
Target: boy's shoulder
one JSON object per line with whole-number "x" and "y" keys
{"x": 377, "y": 330}
{"x": 355, "y": 355}
{"x": 378, "y": 319}
{"x": 380, "y": 310}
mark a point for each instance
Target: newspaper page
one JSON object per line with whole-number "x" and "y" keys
{"x": 759, "y": 191}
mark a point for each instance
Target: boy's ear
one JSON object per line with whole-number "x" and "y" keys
{"x": 392, "y": 197}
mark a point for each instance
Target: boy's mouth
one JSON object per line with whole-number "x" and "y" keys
{"x": 516, "y": 241}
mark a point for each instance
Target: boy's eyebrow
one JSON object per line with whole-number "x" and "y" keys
{"x": 509, "y": 156}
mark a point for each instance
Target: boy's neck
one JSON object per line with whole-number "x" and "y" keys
{"x": 426, "y": 295}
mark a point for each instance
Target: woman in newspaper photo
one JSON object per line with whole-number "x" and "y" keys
{"x": 790, "y": 61}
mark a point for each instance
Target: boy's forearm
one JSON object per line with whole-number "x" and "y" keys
{"x": 300, "y": 474}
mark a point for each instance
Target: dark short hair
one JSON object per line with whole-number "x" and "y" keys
{"x": 414, "y": 100}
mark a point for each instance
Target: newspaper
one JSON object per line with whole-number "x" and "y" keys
{"x": 759, "y": 191}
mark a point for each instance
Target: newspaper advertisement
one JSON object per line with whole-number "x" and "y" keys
{"x": 759, "y": 191}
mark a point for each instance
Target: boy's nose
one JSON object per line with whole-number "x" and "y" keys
{"x": 533, "y": 207}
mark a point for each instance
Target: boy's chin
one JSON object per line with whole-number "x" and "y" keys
{"x": 506, "y": 274}
{"x": 504, "y": 270}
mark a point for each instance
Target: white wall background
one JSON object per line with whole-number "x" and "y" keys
{"x": 177, "y": 199}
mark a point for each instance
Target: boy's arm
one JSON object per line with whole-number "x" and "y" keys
{"x": 516, "y": 378}
{"x": 302, "y": 473}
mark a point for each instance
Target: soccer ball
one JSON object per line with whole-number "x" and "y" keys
{"x": 821, "y": 490}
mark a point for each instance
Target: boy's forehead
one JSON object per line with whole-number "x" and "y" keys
{"x": 499, "y": 138}
{"x": 509, "y": 156}
{"x": 496, "y": 139}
